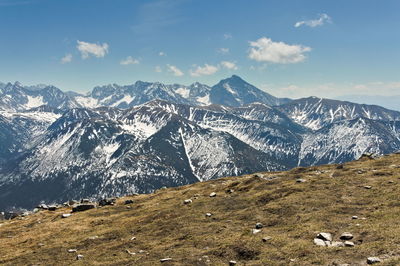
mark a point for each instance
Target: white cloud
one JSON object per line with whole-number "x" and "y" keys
{"x": 175, "y": 71}
{"x": 129, "y": 61}
{"x": 87, "y": 49}
{"x": 223, "y": 50}
{"x": 158, "y": 69}
{"x": 322, "y": 18}
{"x": 162, "y": 54}
{"x": 229, "y": 65}
{"x": 204, "y": 71}
{"x": 227, "y": 36}
{"x": 266, "y": 50}
{"x": 66, "y": 59}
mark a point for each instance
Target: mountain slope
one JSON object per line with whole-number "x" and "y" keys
{"x": 316, "y": 113}
{"x": 160, "y": 225}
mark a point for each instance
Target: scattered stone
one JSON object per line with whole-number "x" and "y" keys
{"x": 230, "y": 191}
{"x": 35, "y": 210}
{"x": 337, "y": 244}
{"x": 40, "y": 244}
{"x": 373, "y": 260}
{"x": 107, "y": 201}
{"x": 232, "y": 262}
{"x": 349, "y": 243}
{"x": 133, "y": 238}
{"x": 259, "y": 225}
{"x": 320, "y": 242}
{"x": 266, "y": 239}
{"x": 65, "y": 215}
{"x": 300, "y": 180}
{"x": 72, "y": 250}
{"x": 128, "y": 207}
{"x": 213, "y": 194}
{"x": 85, "y": 200}
{"x": 187, "y": 201}
{"x": 165, "y": 259}
{"x": 340, "y": 166}
{"x": 367, "y": 187}
{"x": 128, "y": 201}
{"x": 255, "y": 231}
{"x": 79, "y": 257}
{"x": 72, "y": 202}
{"x": 43, "y": 206}
{"x": 208, "y": 214}
{"x": 130, "y": 253}
{"x": 360, "y": 172}
{"x": 83, "y": 207}
{"x": 10, "y": 215}
{"x": 325, "y": 236}
{"x": 93, "y": 237}
{"x": 355, "y": 217}
{"x": 390, "y": 181}
{"x": 346, "y": 236}
{"x": 52, "y": 208}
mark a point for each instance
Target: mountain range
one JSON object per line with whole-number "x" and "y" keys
{"x": 115, "y": 140}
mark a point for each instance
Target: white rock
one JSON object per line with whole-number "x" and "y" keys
{"x": 373, "y": 260}
{"x": 349, "y": 243}
{"x": 232, "y": 262}
{"x": 165, "y": 259}
{"x": 325, "y": 236}
{"x": 266, "y": 239}
{"x": 213, "y": 194}
{"x": 208, "y": 214}
{"x": 256, "y": 231}
{"x": 79, "y": 257}
{"x": 355, "y": 217}
{"x": 130, "y": 253}
{"x": 367, "y": 187}
{"x": 337, "y": 244}
{"x": 72, "y": 250}
{"x": 187, "y": 201}
{"x": 346, "y": 236}
{"x": 259, "y": 225}
{"x": 65, "y": 215}
{"x": 319, "y": 242}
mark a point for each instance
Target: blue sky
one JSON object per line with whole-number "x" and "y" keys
{"x": 338, "y": 47}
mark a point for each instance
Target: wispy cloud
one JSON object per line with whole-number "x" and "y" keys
{"x": 203, "y": 70}
{"x": 321, "y": 20}
{"x": 156, "y": 15}
{"x": 158, "y": 69}
{"x": 229, "y": 65}
{"x": 129, "y": 61}
{"x": 162, "y": 53}
{"x": 223, "y": 50}
{"x": 66, "y": 59}
{"x": 87, "y": 49}
{"x": 266, "y": 50}
{"x": 227, "y": 36}
{"x": 174, "y": 70}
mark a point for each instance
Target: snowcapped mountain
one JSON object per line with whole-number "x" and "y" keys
{"x": 316, "y": 113}
{"x": 144, "y": 136}
{"x": 232, "y": 91}
{"x": 15, "y": 97}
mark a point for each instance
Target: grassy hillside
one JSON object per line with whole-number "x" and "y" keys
{"x": 292, "y": 214}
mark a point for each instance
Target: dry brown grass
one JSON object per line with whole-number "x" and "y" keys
{"x": 292, "y": 214}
